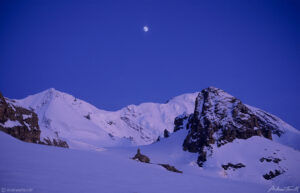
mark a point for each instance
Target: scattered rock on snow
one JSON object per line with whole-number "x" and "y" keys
{"x": 170, "y": 168}
{"x": 271, "y": 174}
{"x": 234, "y": 166}
{"x": 270, "y": 159}
{"x": 140, "y": 157}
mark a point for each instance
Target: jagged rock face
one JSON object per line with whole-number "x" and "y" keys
{"x": 181, "y": 121}
{"x": 19, "y": 122}
{"x": 22, "y": 124}
{"x": 55, "y": 142}
{"x": 220, "y": 118}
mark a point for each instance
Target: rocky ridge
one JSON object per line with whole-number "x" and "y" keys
{"x": 220, "y": 118}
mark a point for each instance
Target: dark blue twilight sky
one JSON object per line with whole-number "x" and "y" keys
{"x": 97, "y": 50}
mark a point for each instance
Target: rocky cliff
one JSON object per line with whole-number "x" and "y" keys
{"x": 23, "y": 124}
{"x": 220, "y": 118}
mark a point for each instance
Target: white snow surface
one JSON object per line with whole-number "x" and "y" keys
{"x": 63, "y": 115}
{"x": 9, "y": 123}
{"x": 26, "y": 116}
{"x": 49, "y": 169}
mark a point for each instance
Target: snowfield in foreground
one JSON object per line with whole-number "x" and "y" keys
{"x": 51, "y": 169}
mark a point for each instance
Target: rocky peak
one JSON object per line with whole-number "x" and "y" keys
{"x": 220, "y": 118}
{"x": 22, "y": 123}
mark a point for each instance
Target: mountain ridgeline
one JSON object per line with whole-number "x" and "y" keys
{"x": 212, "y": 117}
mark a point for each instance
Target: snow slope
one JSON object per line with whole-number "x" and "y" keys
{"x": 290, "y": 135}
{"x": 83, "y": 126}
{"x": 248, "y": 152}
{"x": 37, "y": 168}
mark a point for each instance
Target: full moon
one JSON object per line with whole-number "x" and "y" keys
{"x": 146, "y": 28}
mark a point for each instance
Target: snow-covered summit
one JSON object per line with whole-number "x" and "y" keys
{"x": 83, "y": 125}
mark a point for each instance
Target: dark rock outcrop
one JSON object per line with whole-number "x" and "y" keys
{"x": 273, "y": 174}
{"x": 220, "y": 118}
{"x": 270, "y": 159}
{"x": 170, "y": 168}
{"x": 19, "y": 122}
{"x": 233, "y": 166}
{"x": 158, "y": 139}
{"x": 88, "y": 116}
{"x": 140, "y": 157}
{"x": 166, "y": 133}
{"x": 55, "y": 142}
{"x": 22, "y": 124}
{"x": 180, "y": 121}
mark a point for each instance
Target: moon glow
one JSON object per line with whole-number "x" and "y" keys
{"x": 146, "y": 28}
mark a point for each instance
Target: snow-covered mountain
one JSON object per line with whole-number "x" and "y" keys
{"x": 237, "y": 140}
{"x": 214, "y": 139}
{"x": 82, "y": 125}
